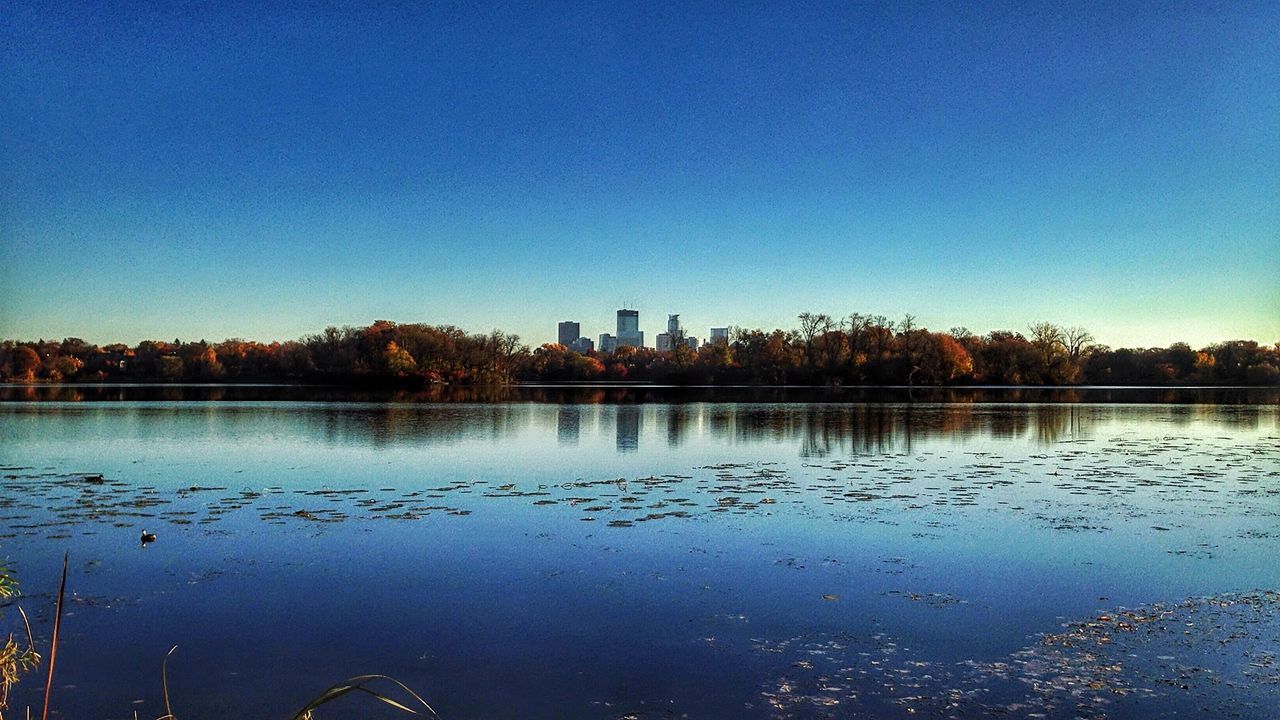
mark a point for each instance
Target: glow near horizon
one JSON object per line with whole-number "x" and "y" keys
{"x": 263, "y": 173}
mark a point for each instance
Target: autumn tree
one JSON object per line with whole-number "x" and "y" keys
{"x": 939, "y": 359}
{"x": 200, "y": 361}
{"x": 58, "y": 368}
{"x": 26, "y": 363}
{"x": 716, "y": 359}
{"x": 397, "y": 361}
{"x": 1007, "y": 358}
{"x": 294, "y": 359}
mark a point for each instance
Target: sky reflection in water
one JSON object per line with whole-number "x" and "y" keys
{"x": 545, "y": 559}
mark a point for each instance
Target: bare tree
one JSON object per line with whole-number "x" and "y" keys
{"x": 1048, "y": 339}
{"x": 1046, "y": 333}
{"x": 1076, "y": 339}
{"x": 810, "y": 324}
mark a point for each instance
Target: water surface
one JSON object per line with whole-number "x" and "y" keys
{"x": 552, "y": 553}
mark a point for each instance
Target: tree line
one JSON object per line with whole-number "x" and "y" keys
{"x": 821, "y": 350}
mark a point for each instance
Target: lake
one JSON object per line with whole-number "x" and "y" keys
{"x": 648, "y": 553}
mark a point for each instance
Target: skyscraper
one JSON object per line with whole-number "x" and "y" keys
{"x": 569, "y": 331}
{"x": 629, "y": 329}
{"x": 628, "y": 321}
{"x": 668, "y": 340}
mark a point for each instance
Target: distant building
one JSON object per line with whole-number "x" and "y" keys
{"x": 629, "y": 329}
{"x": 569, "y": 331}
{"x": 608, "y": 343}
{"x": 719, "y": 334}
{"x": 634, "y": 340}
{"x": 668, "y": 340}
{"x": 628, "y": 321}
{"x": 582, "y": 345}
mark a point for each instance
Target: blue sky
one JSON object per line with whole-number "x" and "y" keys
{"x": 261, "y": 170}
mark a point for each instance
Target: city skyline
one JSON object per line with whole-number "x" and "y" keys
{"x": 227, "y": 171}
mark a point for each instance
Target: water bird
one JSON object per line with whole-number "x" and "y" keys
{"x": 147, "y": 538}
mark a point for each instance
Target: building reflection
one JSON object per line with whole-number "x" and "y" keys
{"x": 810, "y": 428}
{"x": 678, "y": 417}
{"x": 629, "y": 421}
{"x": 568, "y": 424}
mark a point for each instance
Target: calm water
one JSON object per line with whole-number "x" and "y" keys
{"x": 553, "y": 554}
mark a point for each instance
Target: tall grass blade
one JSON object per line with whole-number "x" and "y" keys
{"x": 164, "y": 681}
{"x": 388, "y": 700}
{"x": 357, "y": 684}
{"x": 31, "y": 639}
{"x": 53, "y": 642}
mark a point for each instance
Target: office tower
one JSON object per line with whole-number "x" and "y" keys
{"x": 569, "y": 331}
{"x": 582, "y": 345}
{"x": 673, "y": 325}
{"x": 719, "y": 334}
{"x": 608, "y": 343}
{"x": 629, "y": 329}
{"x": 665, "y": 342}
{"x": 628, "y": 321}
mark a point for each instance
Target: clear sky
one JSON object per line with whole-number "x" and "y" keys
{"x": 264, "y": 169}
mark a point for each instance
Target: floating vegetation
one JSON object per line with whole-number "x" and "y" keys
{"x": 1065, "y": 489}
{"x": 1213, "y": 656}
{"x": 932, "y": 599}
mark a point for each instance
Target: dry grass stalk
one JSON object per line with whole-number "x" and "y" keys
{"x": 360, "y": 683}
{"x": 53, "y": 643}
{"x": 15, "y": 659}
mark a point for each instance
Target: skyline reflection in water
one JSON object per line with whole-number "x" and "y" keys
{"x": 810, "y": 429}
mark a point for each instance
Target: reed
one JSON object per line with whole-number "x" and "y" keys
{"x": 53, "y": 642}
{"x": 15, "y": 660}
{"x": 357, "y": 684}
{"x": 360, "y": 684}
{"x": 164, "y": 684}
